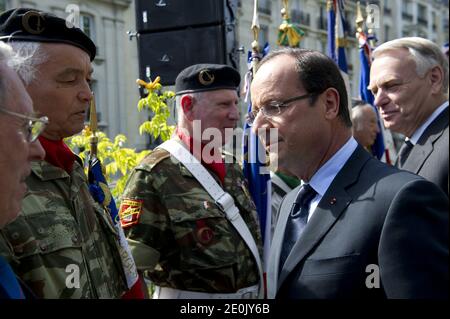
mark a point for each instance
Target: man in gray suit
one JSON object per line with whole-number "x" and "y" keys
{"x": 409, "y": 79}
{"x": 356, "y": 228}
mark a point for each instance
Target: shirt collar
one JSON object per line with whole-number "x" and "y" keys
{"x": 418, "y": 133}
{"x": 323, "y": 178}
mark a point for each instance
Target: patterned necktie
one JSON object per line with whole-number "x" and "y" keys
{"x": 403, "y": 154}
{"x": 297, "y": 221}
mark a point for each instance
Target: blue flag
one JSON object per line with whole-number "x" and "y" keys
{"x": 100, "y": 192}
{"x": 253, "y": 165}
{"x": 378, "y": 147}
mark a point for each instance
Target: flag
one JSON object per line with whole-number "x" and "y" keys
{"x": 331, "y": 29}
{"x": 99, "y": 190}
{"x": 337, "y": 41}
{"x": 378, "y": 148}
{"x": 254, "y": 163}
{"x": 101, "y": 194}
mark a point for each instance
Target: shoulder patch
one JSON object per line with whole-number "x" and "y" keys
{"x": 130, "y": 210}
{"x": 152, "y": 159}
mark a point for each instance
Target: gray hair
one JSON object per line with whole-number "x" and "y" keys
{"x": 28, "y": 55}
{"x": 425, "y": 53}
{"x": 196, "y": 95}
{"x": 6, "y": 58}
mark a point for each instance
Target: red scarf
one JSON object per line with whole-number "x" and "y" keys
{"x": 58, "y": 154}
{"x": 217, "y": 167}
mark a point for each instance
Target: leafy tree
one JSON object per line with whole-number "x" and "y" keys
{"x": 118, "y": 160}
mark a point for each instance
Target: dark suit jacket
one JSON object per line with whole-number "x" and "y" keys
{"x": 372, "y": 215}
{"x": 429, "y": 157}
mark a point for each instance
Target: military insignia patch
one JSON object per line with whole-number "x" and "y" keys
{"x": 130, "y": 210}
{"x": 203, "y": 234}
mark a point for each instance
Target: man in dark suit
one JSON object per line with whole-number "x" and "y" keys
{"x": 356, "y": 228}
{"x": 409, "y": 79}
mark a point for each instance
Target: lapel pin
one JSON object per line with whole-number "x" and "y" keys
{"x": 333, "y": 201}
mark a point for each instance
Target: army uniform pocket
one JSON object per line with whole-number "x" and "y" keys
{"x": 204, "y": 237}
{"x": 43, "y": 233}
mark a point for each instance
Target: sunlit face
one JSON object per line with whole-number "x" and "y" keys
{"x": 15, "y": 151}
{"x": 61, "y": 89}
{"x": 301, "y": 129}
{"x": 400, "y": 94}
{"x": 216, "y": 109}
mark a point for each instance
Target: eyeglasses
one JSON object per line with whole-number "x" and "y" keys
{"x": 274, "y": 108}
{"x": 34, "y": 127}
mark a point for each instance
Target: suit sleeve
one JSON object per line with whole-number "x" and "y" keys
{"x": 413, "y": 251}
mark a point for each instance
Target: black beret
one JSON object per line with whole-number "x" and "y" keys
{"x": 206, "y": 77}
{"x": 25, "y": 24}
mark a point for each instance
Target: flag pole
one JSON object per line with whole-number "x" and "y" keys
{"x": 93, "y": 126}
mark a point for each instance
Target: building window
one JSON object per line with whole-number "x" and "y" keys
{"x": 387, "y": 7}
{"x": 406, "y": 10}
{"x": 386, "y": 33}
{"x": 264, "y": 6}
{"x": 263, "y": 36}
{"x": 87, "y": 25}
{"x": 2, "y": 5}
{"x": 422, "y": 14}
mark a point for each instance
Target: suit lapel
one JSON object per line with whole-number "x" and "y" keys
{"x": 277, "y": 242}
{"x": 333, "y": 203}
{"x": 424, "y": 146}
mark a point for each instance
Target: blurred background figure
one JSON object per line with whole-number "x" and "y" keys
{"x": 365, "y": 126}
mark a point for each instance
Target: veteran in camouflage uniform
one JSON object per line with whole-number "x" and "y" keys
{"x": 178, "y": 235}
{"x": 64, "y": 244}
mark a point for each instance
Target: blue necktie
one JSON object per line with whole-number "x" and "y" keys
{"x": 297, "y": 221}
{"x": 9, "y": 286}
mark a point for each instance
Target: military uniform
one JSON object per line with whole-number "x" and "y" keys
{"x": 179, "y": 236}
{"x": 62, "y": 235}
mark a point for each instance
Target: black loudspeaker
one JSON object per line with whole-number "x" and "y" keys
{"x": 156, "y": 15}
{"x": 174, "y": 34}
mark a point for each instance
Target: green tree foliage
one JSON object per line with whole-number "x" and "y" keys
{"x": 118, "y": 160}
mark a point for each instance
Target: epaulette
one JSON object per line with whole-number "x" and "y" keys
{"x": 152, "y": 159}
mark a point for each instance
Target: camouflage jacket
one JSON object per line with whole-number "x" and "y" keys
{"x": 64, "y": 244}
{"x": 178, "y": 234}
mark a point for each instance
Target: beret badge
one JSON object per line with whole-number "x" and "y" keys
{"x": 205, "y": 77}
{"x": 33, "y": 22}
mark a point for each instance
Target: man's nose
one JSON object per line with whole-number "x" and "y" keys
{"x": 36, "y": 151}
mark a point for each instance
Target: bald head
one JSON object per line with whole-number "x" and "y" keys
{"x": 365, "y": 126}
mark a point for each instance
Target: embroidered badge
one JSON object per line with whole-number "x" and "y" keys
{"x": 130, "y": 210}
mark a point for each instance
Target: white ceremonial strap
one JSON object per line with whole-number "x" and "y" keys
{"x": 222, "y": 198}
{"x": 170, "y": 293}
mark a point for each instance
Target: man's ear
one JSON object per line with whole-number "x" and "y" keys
{"x": 332, "y": 101}
{"x": 186, "y": 103}
{"x": 436, "y": 77}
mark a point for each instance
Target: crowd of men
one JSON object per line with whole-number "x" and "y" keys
{"x": 189, "y": 219}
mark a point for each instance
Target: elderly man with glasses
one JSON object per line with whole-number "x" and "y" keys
{"x": 355, "y": 228}
{"x": 64, "y": 243}
{"x": 19, "y": 130}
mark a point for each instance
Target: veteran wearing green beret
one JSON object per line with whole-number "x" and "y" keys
{"x": 189, "y": 219}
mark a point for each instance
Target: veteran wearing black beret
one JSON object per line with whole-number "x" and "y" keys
{"x": 178, "y": 232}
{"x": 64, "y": 241}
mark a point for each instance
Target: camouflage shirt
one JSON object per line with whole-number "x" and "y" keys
{"x": 181, "y": 238}
{"x": 64, "y": 244}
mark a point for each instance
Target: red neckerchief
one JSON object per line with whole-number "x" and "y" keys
{"x": 58, "y": 154}
{"x": 217, "y": 167}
